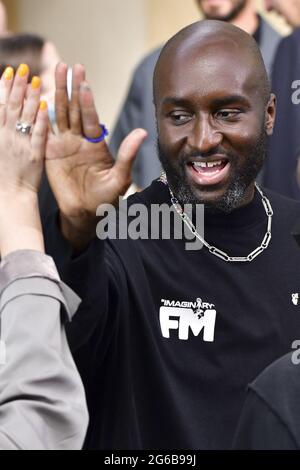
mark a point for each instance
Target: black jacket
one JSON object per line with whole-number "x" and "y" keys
{"x": 271, "y": 415}
{"x": 285, "y": 143}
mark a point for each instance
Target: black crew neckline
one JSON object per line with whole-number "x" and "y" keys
{"x": 243, "y": 217}
{"x": 246, "y": 216}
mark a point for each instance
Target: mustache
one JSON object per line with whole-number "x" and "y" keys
{"x": 188, "y": 156}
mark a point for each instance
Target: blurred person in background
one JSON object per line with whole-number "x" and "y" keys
{"x": 149, "y": 384}
{"x": 284, "y": 149}
{"x": 138, "y": 109}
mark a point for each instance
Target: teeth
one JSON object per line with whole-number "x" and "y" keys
{"x": 200, "y": 165}
{"x": 207, "y": 165}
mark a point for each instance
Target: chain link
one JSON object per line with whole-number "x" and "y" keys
{"x": 216, "y": 251}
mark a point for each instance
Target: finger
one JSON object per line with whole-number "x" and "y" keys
{"x": 6, "y": 83}
{"x": 40, "y": 132}
{"x": 31, "y": 106}
{"x": 78, "y": 77}
{"x": 27, "y": 90}
{"x": 90, "y": 119}
{"x": 128, "y": 151}
{"x": 61, "y": 97}
{"x": 17, "y": 95}
{"x": 50, "y": 127}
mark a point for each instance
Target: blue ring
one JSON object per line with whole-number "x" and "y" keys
{"x": 104, "y": 134}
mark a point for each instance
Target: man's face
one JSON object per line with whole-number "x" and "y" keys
{"x": 211, "y": 126}
{"x": 224, "y": 10}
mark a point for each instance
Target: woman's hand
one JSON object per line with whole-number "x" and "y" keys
{"x": 21, "y": 160}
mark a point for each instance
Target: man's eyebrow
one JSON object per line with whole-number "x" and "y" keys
{"x": 232, "y": 99}
{"x": 218, "y": 102}
{"x": 175, "y": 100}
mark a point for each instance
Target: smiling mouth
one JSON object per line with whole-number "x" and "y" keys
{"x": 208, "y": 173}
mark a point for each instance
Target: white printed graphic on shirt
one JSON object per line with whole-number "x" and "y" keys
{"x": 295, "y": 299}
{"x": 186, "y": 317}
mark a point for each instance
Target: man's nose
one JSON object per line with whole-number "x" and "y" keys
{"x": 204, "y": 137}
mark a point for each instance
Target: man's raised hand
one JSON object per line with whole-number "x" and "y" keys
{"x": 82, "y": 174}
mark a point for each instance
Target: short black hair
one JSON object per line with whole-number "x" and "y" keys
{"x": 12, "y": 48}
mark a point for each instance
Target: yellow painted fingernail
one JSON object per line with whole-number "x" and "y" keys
{"x": 43, "y": 105}
{"x": 35, "y": 82}
{"x": 23, "y": 70}
{"x": 8, "y": 73}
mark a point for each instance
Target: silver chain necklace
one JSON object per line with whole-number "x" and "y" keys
{"x": 212, "y": 249}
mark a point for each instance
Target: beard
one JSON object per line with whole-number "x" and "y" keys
{"x": 242, "y": 176}
{"x": 234, "y": 12}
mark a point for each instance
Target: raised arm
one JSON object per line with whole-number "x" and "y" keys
{"x": 83, "y": 174}
{"x": 42, "y": 401}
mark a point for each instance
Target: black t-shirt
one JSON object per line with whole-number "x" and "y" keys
{"x": 271, "y": 415}
{"x": 167, "y": 340}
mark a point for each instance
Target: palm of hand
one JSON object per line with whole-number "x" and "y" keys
{"x": 84, "y": 171}
{"x": 84, "y": 175}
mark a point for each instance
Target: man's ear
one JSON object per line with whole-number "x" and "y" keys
{"x": 270, "y": 115}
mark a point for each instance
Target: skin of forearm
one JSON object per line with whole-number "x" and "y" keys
{"x": 79, "y": 231}
{"x": 20, "y": 223}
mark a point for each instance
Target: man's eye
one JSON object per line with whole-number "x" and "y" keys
{"x": 180, "y": 118}
{"x": 228, "y": 113}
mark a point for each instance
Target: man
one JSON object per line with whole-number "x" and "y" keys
{"x": 138, "y": 109}
{"x": 167, "y": 339}
{"x": 281, "y": 169}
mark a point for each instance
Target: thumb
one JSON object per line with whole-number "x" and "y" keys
{"x": 128, "y": 150}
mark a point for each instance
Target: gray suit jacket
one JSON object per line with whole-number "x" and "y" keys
{"x": 42, "y": 400}
{"x": 138, "y": 109}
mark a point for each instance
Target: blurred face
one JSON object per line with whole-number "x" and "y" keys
{"x": 290, "y": 9}
{"x": 41, "y": 62}
{"x": 212, "y": 127}
{"x": 224, "y": 10}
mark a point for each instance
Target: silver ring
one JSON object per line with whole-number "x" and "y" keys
{"x": 23, "y": 128}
